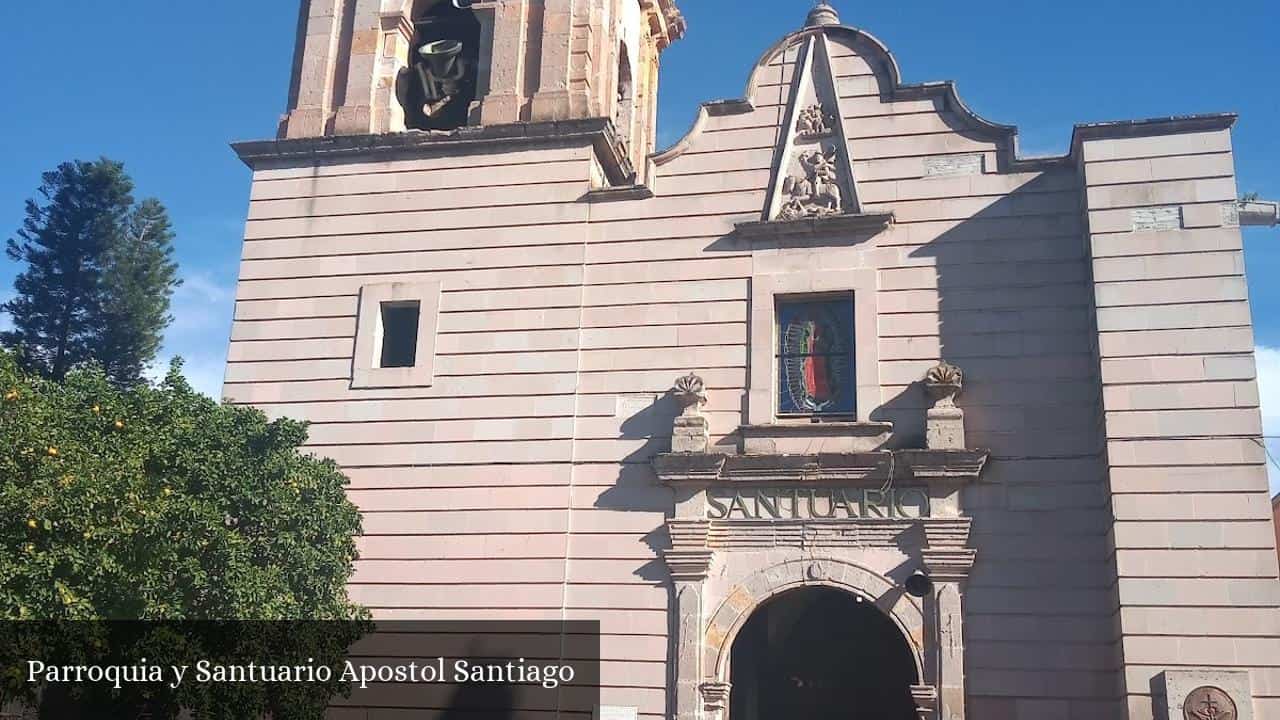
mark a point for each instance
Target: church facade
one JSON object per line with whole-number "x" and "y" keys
{"x": 837, "y": 406}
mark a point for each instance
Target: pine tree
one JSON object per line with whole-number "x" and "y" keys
{"x": 62, "y": 240}
{"x": 99, "y": 274}
{"x": 138, "y": 280}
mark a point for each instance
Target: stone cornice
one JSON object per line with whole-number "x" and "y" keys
{"x": 945, "y": 95}
{"x": 1172, "y": 125}
{"x": 688, "y": 565}
{"x": 948, "y": 564}
{"x": 932, "y": 465}
{"x": 929, "y": 466}
{"x": 598, "y": 132}
{"x": 838, "y": 225}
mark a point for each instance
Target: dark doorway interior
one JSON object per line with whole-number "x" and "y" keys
{"x": 819, "y": 653}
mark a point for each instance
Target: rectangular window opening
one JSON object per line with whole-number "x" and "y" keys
{"x": 815, "y": 356}
{"x": 399, "y": 334}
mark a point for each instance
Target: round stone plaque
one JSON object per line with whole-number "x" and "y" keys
{"x": 1208, "y": 703}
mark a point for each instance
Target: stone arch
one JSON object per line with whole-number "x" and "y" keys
{"x": 434, "y": 21}
{"x": 744, "y": 597}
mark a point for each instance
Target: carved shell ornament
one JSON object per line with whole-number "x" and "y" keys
{"x": 944, "y": 373}
{"x": 691, "y": 391}
{"x": 943, "y": 382}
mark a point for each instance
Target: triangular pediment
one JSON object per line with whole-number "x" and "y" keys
{"x": 813, "y": 171}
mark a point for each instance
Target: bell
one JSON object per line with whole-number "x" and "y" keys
{"x": 441, "y": 57}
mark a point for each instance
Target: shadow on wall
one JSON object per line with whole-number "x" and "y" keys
{"x": 637, "y": 489}
{"x": 1014, "y": 312}
{"x": 481, "y": 701}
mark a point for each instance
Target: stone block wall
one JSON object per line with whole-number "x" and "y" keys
{"x": 1194, "y": 554}
{"x": 518, "y": 484}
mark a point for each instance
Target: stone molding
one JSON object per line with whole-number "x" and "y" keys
{"x": 365, "y": 370}
{"x": 926, "y": 700}
{"x": 715, "y": 696}
{"x": 598, "y": 132}
{"x": 687, "y": 565}
{"x": 948, "y": 467}
{"x": 950, "y": 564}
{"x": 815, "y": 227}
{"x": 807, "y": 437}
{"x": 1172, "y": 125}
{"x": 944, "y": 93}
{"x": 689, "y": 558}
{"x": 810, "y": 278}
{"x": 817, "y": 535}
{"x": 744, "y": 597}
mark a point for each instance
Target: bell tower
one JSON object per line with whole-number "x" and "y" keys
{"x": 388, "y": 66}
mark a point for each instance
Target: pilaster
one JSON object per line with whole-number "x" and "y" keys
{"x": 688, "y": 560}
{"x": 314, "y": 69}
{"x": 506, "y": 27}
{"x": 356, "y": 114}
{"x": 1172, "y": 316}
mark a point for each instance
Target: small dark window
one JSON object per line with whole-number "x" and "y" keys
{"x": 399, "y": 334}
{"x": 815, "y": 356}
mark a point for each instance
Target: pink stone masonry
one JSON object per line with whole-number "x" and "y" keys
{"x": 1096, "y": 303}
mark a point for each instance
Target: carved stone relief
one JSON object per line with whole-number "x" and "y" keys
{"x": 814, "y": 174}
{"x": 1208, "y": 703}
{"x": 814, "y": 122}
{"x": 817, "y": 192}
{"x": 1208, "y": 694}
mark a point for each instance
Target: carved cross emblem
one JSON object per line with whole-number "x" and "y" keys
{"x": 1208, "y": 703}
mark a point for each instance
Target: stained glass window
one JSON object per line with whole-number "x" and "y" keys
{"x": 815, "y": 356}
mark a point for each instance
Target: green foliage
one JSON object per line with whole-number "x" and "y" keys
{"x": 138, "y": 279}
{"x": 157, "y": 503}
{"x": 99, "y": 275}
{"x": 1249, "y": 197}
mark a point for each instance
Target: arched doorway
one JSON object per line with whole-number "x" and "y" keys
{"x": 820, "y": 652}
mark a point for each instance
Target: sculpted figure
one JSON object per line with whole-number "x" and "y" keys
{"x": 813, "y": 122}
{"x": 816, "y": 194}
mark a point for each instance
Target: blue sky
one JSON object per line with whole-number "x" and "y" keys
{"x": 164, "y": 86}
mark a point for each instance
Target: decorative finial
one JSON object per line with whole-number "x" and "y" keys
{"x": 944, "y": 380}
{"x": 690, "y": 431}
{"x": 944, "y": 422}
{"x": 691, "y": 393}
{"x": 822, "y": 14}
